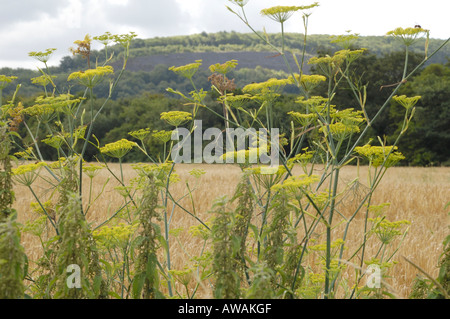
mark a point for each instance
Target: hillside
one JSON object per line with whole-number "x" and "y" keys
{"x": 147, "y": 68}
{"x": 247, "y": 59}
{"x": 168, "y": 50}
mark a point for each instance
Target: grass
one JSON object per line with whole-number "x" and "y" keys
{"x": 415, "y": 194}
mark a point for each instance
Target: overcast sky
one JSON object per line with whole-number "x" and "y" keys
{"x": 35, "y": 25}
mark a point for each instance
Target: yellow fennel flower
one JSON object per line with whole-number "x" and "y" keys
{"x": 26, "y": 174}
{"x": 294, "y": 183}
{"x": 223, "y": 68}
{"x": 386, "y": 230}
{"x": 282, "y": 13}
{"x": 406, "y": 102}
{"x": 235, "y": 101}
{"x": 26, "y": 154}
{"x": 46, "y": 107}
{"x": 114, "y": 236}
{"x": 140, "y": 134}
{"x": 339, "y": 130}
{"x": 105, "y": 38}
{"x": 176, "y": 118}
{"x": 43, "y": 80}
{"x": 271, "y": 87}
{"x": 187, "y": 70}
{"x": 377, "y": 155}
{"x": 92, "y": 170}
{"x": 42, "y": 56}
{"x": 302, "y": 158}
{"x": 408, "y": 35}
{"x": 91, "y": 77}
{"x": 308, "y": 82}
{"x": 303, "y": 119}
{"x": 55, "y": 141}
{"x": 5, "y": 80}
{"x": 345, "y": 40}
{"x": 118, "y": 149}
{"x": 162, "y": 136}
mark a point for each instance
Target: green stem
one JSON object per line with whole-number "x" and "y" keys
{"x": 330, "y": 220}
{"x": 44, "y": 210}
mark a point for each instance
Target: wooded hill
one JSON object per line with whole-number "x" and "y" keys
{"x": 160, "y": 49}
{"x": 147, "y": 68}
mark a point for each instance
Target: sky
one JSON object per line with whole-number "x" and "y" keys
{"x": 36, "y": 25}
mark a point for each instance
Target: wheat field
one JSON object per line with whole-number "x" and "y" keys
{"x": 415, "y": 194}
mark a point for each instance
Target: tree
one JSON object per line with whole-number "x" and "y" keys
{"x": 427, "y": 139}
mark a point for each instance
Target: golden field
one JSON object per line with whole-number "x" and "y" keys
{"x": 415, "y": 194}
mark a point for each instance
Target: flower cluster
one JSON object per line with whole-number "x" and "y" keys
{"x": 303, "y": 119}
{"x": 282, "y": 13}
{"x": 330, "y": 64}
{"x": 118, "y": 149}
{"x": 115, "y": 236}
{"x": 25, "y": 154}
{"x": 91, "y": 77}
{"x": 45, "y": 107}
{"x": 55, "y": 141}
{"x": 201, "y": 231}
{"x": 35, "y": 227}
{"x": 314, "y": 102}
{"x": 302, "y": 158}
{"x": 269, "y": 88}
{"x": 267, "y": 176}
{"x": 377, "y": 155}
{"x": 105, "y": 38}
{"x": 187, "y": 70}
{"x": 334, "y": 245}
{"x": 159, "y": 172}
{"x": 26, "y": 174}
{"x": 43, "y": 80}
{"x": 42, "y": 56}
{"x": 184, "y": 276}
{"x": 65, "y": 162}
{"x": 242, "y": 156}
{"x": 197, "y": 172}
{"x": 140, "y": 134}
{"x": 294, "y": 183}
{"x": 345, "y": 40}
{"x": 124, "y": 39}
{"x": 407, "y": 35}
{"x": 235, "y": 101}
{"x": 313, "y": 285}
{"x": 339, "y": 130}
{"x": 163, "y": 136}
{"x": 92, "y": 170}
{"x": 223, "y": 68}
{"x": 386, "y": 230}
{"x": 308, "y": 82}
{"x": 5, "y": 80}
{"x": 406, "y": 102}
{"x": 176, "y": 118}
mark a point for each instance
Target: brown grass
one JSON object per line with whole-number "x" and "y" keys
{"x": 415, "y": 194}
